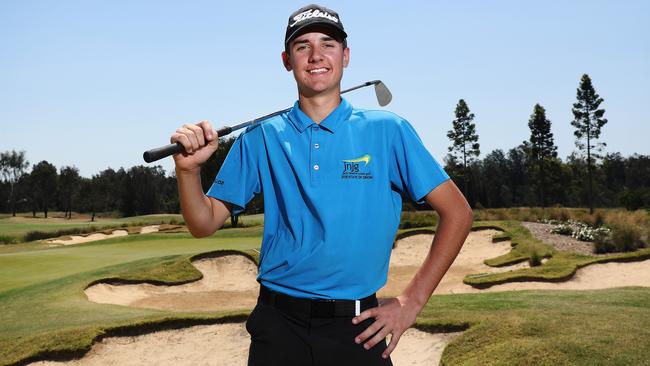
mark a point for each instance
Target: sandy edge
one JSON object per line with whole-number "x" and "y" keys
{"x": 79, "y": 239}
{"x": 197, "y": 346}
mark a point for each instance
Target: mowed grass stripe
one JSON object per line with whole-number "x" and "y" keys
{"x": 30, "y": 267}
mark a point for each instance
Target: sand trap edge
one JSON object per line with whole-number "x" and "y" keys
{"x": 564, "y": 278}
{"x": 196, "y": 257}
{"x": 141, "y": 328}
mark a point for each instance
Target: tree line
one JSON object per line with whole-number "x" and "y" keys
{"x": 530, "y": 174}
{"x": 139, "y": 190}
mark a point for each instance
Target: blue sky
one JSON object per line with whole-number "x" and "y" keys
{"x": 95, "y": 83}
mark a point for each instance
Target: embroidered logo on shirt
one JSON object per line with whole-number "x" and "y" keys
{"x": 353, "y": 169}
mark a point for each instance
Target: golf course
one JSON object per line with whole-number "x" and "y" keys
{"x": 154, "y": 294}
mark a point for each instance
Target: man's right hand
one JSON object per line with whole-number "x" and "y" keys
{"x": 200, "y": 142}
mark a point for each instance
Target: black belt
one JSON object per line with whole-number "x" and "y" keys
{"x": 316, "y": 308}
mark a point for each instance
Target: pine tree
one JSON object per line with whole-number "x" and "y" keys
{"x": 542, "y": 148}
{"x": 588, "y": 120}
{"x": 464, "y": 139}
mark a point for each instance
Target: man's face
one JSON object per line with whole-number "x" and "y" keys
{"x": 317, "y": 61}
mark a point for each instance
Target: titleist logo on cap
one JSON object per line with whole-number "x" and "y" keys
{"x": 313, "y": 13}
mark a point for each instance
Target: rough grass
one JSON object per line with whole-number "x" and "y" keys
{"x": 614, "y": 218}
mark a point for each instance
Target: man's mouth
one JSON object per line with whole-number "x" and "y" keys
{"x": 320, "y": 70}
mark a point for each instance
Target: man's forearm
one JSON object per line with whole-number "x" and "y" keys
{"x": 198, "y": 210}
{"x": 449, "y": 238}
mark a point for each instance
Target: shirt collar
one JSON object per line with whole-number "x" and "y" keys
{"x": 301, "y": 121}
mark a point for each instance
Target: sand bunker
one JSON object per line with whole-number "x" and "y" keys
{"x": 228, "y": 283}
{"x": 226, "y": 345}
{"x": 79, "y": 239}
{"x": 411, "y": 251}
{"x": 149, "y": 229}
{"x": 592, "y": 277}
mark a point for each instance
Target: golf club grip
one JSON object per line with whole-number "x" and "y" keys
{"x": 171, "y": 149}
{"x": 161, "y": 152}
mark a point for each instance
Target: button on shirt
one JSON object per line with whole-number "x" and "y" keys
{"x": 332, "y": 196}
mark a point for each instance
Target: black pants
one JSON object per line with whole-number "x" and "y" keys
{"x": 286, "y": 339}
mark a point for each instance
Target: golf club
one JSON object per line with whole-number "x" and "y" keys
{"x": 381, "y": 91}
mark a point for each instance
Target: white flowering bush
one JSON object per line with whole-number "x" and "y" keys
{"x": 562, "y": 229}
{"x": 588, "y": 233}
{"x": 581, "y": 231}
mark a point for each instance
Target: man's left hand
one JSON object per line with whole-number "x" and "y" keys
{"x": 393, "y": 316}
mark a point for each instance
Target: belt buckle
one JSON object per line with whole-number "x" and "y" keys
{"x": 323, "y": 308}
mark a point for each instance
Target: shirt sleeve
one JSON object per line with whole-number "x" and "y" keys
{"x": 413, "y": 170}
{"x": 238, "y": 179}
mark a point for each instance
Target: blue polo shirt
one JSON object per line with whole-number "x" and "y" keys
{"x": 332, "y": 196}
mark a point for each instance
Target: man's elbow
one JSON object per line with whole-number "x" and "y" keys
{"x": 197, "y": 233}
{"x": 202, "y": 232}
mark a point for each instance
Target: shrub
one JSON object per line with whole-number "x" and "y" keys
{"x": 585, "y": 232}
{"x": 6, "y": 239}
{"x": 562, "y": 229}
{"x": 535, "y": 259}
{"x": 631, "y": 200}
{"x": 602, "y": 247}
{"x": 626, "y": 237}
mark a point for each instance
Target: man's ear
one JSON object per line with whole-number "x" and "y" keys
{"x": 286, "y": 61}
{"x": 346, "y": 57}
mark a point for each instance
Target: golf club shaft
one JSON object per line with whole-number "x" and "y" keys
{"x": 171, "y": 149}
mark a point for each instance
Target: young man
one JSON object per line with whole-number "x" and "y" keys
{"x": 333, "y": 179}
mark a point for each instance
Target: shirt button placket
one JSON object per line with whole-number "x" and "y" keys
{"x": 315, "y": 156}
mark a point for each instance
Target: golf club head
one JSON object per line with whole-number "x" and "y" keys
{"x": 383, "y": 94}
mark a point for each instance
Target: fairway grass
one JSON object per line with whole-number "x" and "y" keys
{"x": 20, "y": 225}
{"x": 45, "y": 313}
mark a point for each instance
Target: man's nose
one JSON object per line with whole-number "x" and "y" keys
{"x": 315, "y": 54}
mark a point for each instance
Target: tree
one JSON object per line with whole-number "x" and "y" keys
{"x": 43, "y": 182}
{"x": 542, "y": 148}
{"x": 613, "y": 170}
{"x": 464, "y": 139}
{"x": 69, "y": 182}
{"x": 494, "y": 178}
{"x": 12, "y": 167}
{"x": 588, "y": 120}
{"x": 141, "y": 190}
{"x": 516, "y": 168}
{"x": 89, "y": 196}
{"x": 109, "y": 185}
